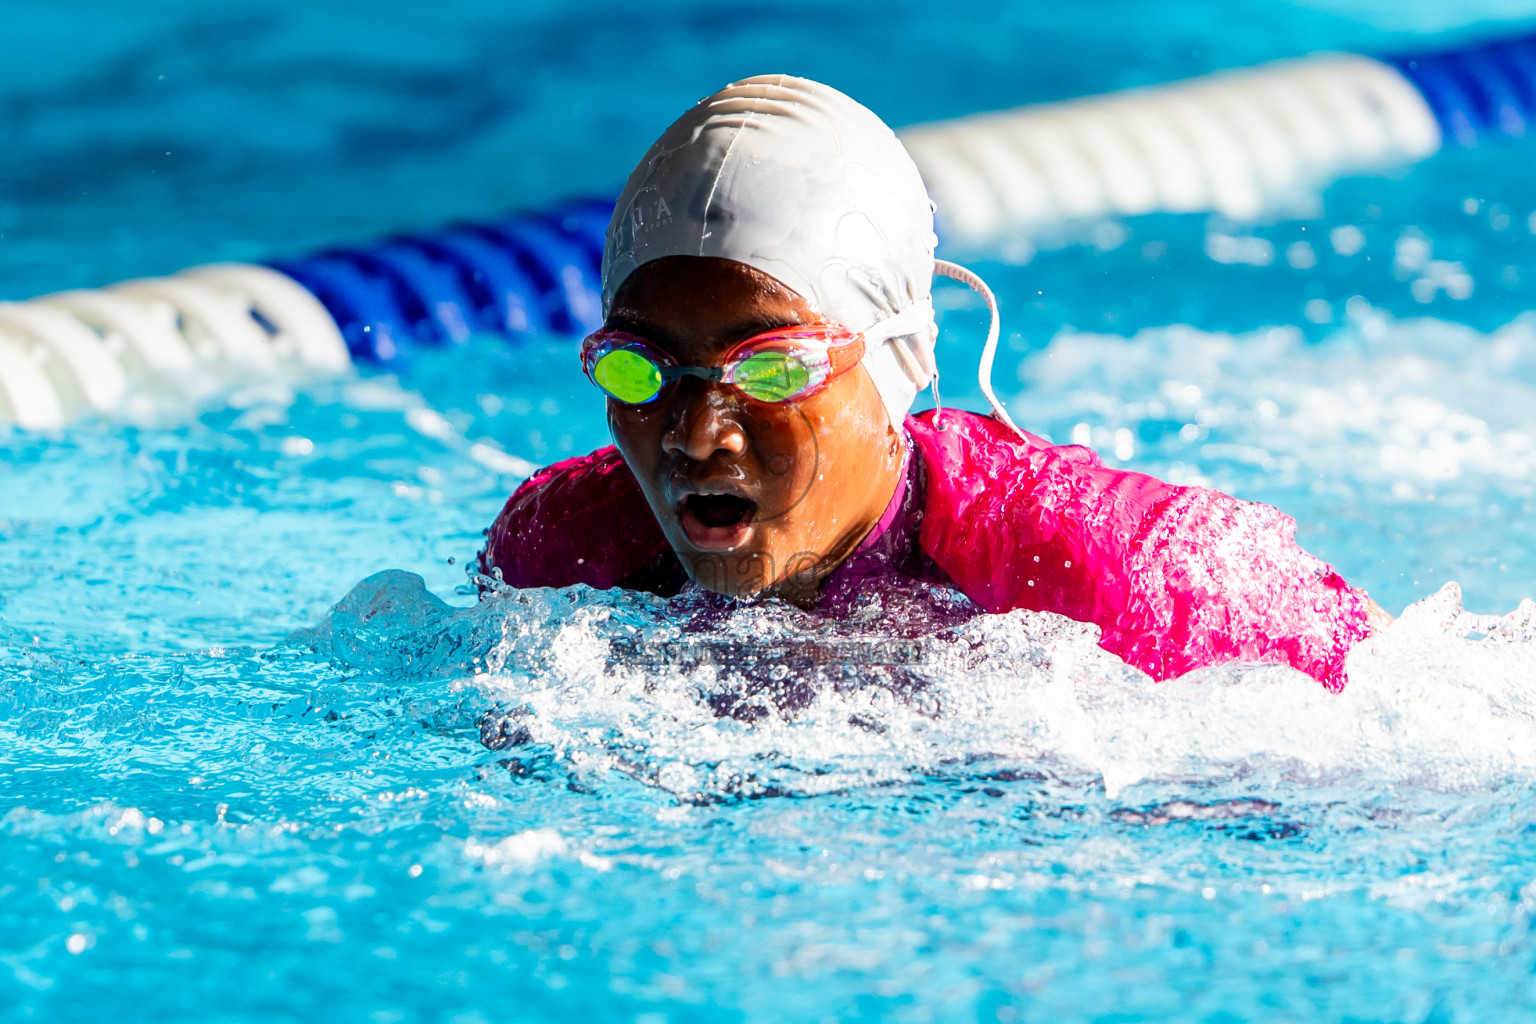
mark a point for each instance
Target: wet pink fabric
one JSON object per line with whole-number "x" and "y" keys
{"x": 1176, "y": 578}
{"x": 583, "y": 520}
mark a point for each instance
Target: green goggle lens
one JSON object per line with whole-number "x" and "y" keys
{"x": 627, "y": 376}
{"x": 771, "y": 376}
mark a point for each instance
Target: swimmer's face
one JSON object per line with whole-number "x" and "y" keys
{"x": 755, "y": 497}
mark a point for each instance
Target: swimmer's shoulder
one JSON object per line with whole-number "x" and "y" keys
{"x": 977, "y": 452}
{"x": 962, "y": 427}
{"x": 581, "y": 520}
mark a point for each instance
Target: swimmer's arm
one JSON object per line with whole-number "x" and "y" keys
{"x": 1213, "y": 579}
{"x": 583, "y": 520}
{"x": 1186, "y": 577}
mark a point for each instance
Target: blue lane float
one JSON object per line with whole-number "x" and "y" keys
{"x": 517, "y": 276}
{"x": 1239, "y": 143}
{"x": 1480, "y": 91}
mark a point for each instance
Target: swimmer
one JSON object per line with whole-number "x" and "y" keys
{"x": 768, "y": 327}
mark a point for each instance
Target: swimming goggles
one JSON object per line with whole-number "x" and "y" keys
{"x": 786, "y": 364}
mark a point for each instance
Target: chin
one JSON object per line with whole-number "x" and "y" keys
{"x": 737, "y": 573}
{"x": 759, "y": 570}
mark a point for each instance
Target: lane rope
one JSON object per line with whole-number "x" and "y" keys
{"x": 1235, "y": 143}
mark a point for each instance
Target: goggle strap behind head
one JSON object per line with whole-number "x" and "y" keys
{"x": 955, "y": 272}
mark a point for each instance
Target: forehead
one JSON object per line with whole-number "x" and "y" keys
{"x": 698, "y": 306}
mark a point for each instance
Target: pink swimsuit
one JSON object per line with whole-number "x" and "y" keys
{"x": 1177, "y": 578}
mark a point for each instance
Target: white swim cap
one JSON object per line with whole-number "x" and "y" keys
{"x": 799, "y": 181}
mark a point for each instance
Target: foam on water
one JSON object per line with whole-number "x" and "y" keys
{"x": 1404, "y": 404}
{"x": 713, "y": 700}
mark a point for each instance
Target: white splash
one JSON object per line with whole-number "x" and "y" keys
{"x": 712, "y": 702}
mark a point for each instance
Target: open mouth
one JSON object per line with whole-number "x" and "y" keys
{"x": 719, "y": 509}
{"x": 716, "y": 521}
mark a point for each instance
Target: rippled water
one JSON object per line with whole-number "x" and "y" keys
{"x": 264, "y": 758}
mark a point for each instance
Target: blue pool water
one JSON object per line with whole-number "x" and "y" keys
{"x": 242, "y": 697}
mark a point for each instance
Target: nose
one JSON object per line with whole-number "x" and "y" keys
{"x": 705, "y": 422}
